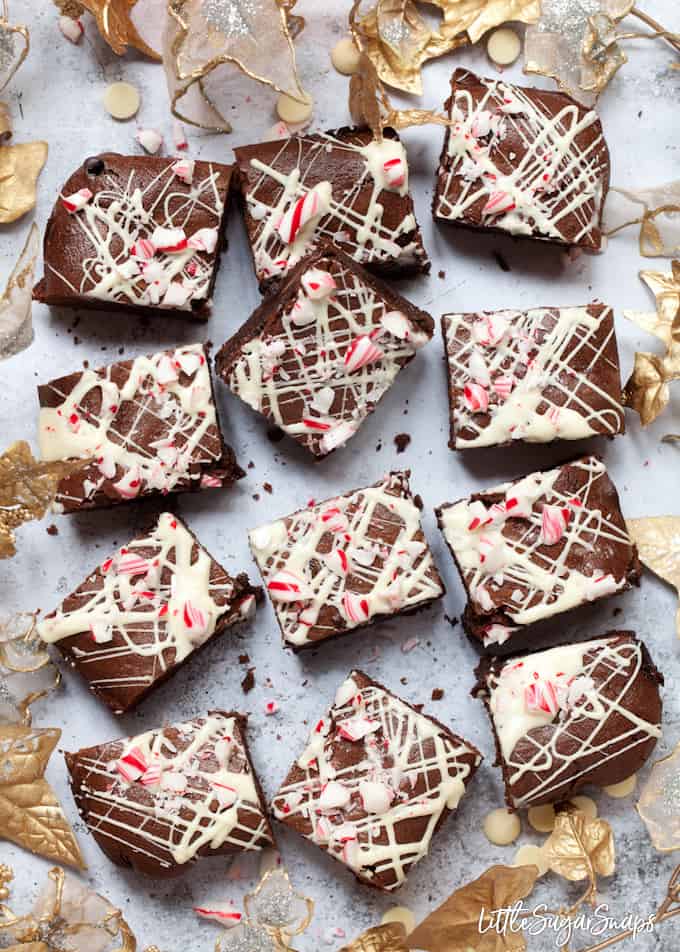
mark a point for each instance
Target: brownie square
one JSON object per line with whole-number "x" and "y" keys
{"x": 146, "y": 426}
{"x": 138, "y": 233}
{"x": 343, "y": 186}
{"x": 529, "y": 162}
{"x": 551, "y": 373}
{"x": 144, "y": 611}
{"x": 347, "y": 562}
{"x": 531, "y": 549}
{"x": 576, "y": 715}
{"x": 375, "y": 782}
{"x": 157, "y": 801}
{"x": 316, "y": 358}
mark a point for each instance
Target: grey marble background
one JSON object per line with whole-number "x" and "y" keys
{"x": 57, "y": 96}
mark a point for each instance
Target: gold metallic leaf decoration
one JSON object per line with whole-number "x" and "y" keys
{"x": 116, "y": 27}
{"x": 16, "y": 325}
{"x": 20, "y": 166}
{"x": 26, "y": 671}
{"x": 399, "y": 40}
{"x": 390, "y": 937}
{"x": 581, "y": 847}
{"x": 203, "y": 35}
{"x": 658, "y": 542}
{"x": 27, "y": 489}
{"x": 455, "y": 925}
{"x": 647, "y": 389}
{"x": 67, "y": 917}
{"x": 659, "y": 803}
{"x": 656, "y": 210}
{"x": 30, "y": 814}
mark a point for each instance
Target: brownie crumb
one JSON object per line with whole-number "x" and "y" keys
{"x": 501, "y": 261}
{"x": 268, "y": 488}
{"x": 243, "y": 658}
{"x": 419, "y": 708}
{"x": 401, "y": 441}
{"x": 404, "y": 680}
{"x": 52, "y": 530}
{"x": 418, "y": 500}
{"x": 378, "y": 447}
{"x": 437, "y": 694}
{"x": 256, "y": 497}
{"x": 251, "y": 465}
{"x": 248, "y": 682}
{"x": 451, "y": 620}
{"x": 441, "y": 275}
{"x": 275, "y": 434}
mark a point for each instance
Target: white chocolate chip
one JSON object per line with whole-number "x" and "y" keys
{"x": 400, "y": 914}
{"x": 503, "y": 47}
{"x": 121, "y": 100}
{"x": 622, "y": 789}
{"x": 502, "y": 827}
{"x": 345, "y": 56}
{"x": 531, "y": 855}
{"x": 585, "y": 805}
{"x": 542, "y": 818}
{"x": 290, "y": 110}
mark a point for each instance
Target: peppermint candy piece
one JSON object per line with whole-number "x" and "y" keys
{"x": 362, "y": 351}
{"x": 132, "y": 764}
{"x": 356, "y": 728}
{"x": 184, "y": 170}
{"x": 318, "y": 284}
{"x": 166, "y": 370}
{"x": 130, "y": 564}
{"x": 76, "y": 201}
{"x": 337, "y": 562}
{"x": 71, "y": 28}
{"x": 177, "y": 294}
{"x": 194, "y": 618}
{"x": 101, "y": 632}
{"x": 152, "y": 775}
{"x": 323, "y": 399}
{"x": 398, "y": 325}
{"x": 130, "y": 483}
{"x": 395, "y": 172}
{"x": 554, "y": 521}
{"x": 303, "y": 312}
{"x": 490, "y": 330}
{"x": 219, "y": 912}
{"x": 347, "y": 690}
{"x": 143, "y": 248}
{"x": 337, "y": 436}
{"x": 305, "y": 211}
{"x": 541, "y": 695}
{"x": 503, "y": 385}
{"x": 169, "y": 240}
{"x": 375, "y": 797}
{"x": 498, "y": 203}
{"x": 478, "y": 369}
{"x": 205, "y": 239}
{"x": 355, "y": 607}
{"x": 284, "y": 586}
{"x": 476, "y": 397}
{"x": 334, "y": 796}
{"x": 150, "y": 140}
{"x": 178, "y": 135}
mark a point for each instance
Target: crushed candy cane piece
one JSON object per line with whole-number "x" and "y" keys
{"x": 286, "y": 587}
{"x": 205, "y": 239}
{"x": 219, "y": 912}
{"x": 355, "y": 607}
{"x": 476, "y": 397}
{"x": 184, "y": 170}
{"x": 178, "y": 135}
{"x": 362, "y": 351}
{"x": 554, "y": 521}
{"x": 334, "y": 796}
{"x": 271, "y": 707}
{"x": 71, "y": 28}
{"x": 305, "y": 211}
{"x": 76, "y": 201}
{"x": 132, "y": 764}
{"x": 150, "y": 140}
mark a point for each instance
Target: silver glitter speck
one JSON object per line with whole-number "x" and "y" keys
{"x": 231, "y": 17}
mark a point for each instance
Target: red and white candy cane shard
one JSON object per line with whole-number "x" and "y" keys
{"x": 283, "y": 586}
{"x": 169, "y": 240}
{"x": 375, "y": 797}
{"x": 131, "y": 564}
{"x": 554, "y": 520}
{"x": 498, "y": 203}
{"x": 178, "y": 135}
{"x": 334, "y": 519}
{"x": 184, "y": 170}
{"x": 338, "y": 435}
{"x": 150, "y": 140}
{"x": 208, "y": 481}
{"x": 130, "y": 483}
{"x": 205, "y": 239}
{"x": 71, "y": 28}
{"x": 334, "y": 796}
{"x": 194, "y": 618}
{"x": 476, "y": 397}
{"x": 503, "y": 385}
{"x": 143, "y": 248}
{"x": 152, "y": 775}
{"x": 177, "y": 294}
{"x": 132, "y": 764}
{"x": 479, "y": 370}
{"x": 271, "y": 707}
{"x": 318, "y": 283}
{"x": 541, "y": 695}
{"x": 394, "y": 171}
{"x": 219, "y": 913}
{"x": 362, "y": 351}
{"x": 356, "y": 728}
{"x": 490, "y": 329}
{"x": 76, "y": 201}
{"x": 337, "y": 561}
{"x": 355, "y": 607}
{"x": 304, "y": 210}
{"x": 310, "y": 423}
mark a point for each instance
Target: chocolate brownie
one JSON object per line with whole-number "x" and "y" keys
{"x": 347, "y": 562}
{"x": 137, "y": 233}
{"x": 529, "y": 162}
{"x": 144, "y": 611}
{"x": 531, "y": 549}
{"x": 551, "y": 373}
{"x": 157, "y": 801}
{"x": 316, "y": 358}
{"x": 344, "y": 186}
{"x": 375, "y": 782}
{"x": 579, "y": 714}
{"x": 146, "y": 426}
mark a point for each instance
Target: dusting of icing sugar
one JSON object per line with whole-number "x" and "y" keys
{"x": 156, "y": 601}
{"x": 126, "y": 261}
{"x": 166, "y": 794}
{"x": 564, "y": 687}
{"x": 555, "y": 184}
{"x": 493, "y": 553}
{"x": 107, "y": 419}
{"x": 530, "y": 367}
{"x": 404, "y": 768}
{"x": 330, "y": 568}
{"x": 336, "y": 352}
{"x": 363, "y": 233}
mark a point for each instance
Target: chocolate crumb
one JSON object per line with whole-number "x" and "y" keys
{"x": 52, "y": 530}
{"x": 418, "y": 500}
{"x": 251, "y": 465}
{"x": 419, "y": 708}
{"x": 243, "y": 658}
{"x": 451, "y": 620}
{"x": 441, "y": 275}
{"x": 401, "y": 441}
{"x": 437, "y": 694}
{"x": 378, "y": 447}
{"x": 248, "y": 682}
{"x": 501, "y": 261}
{"x": 275, "y": 434}
{"x": 256, "y": 497}
{"x": 404, "y": 680}
{"x": 268, "y": 488}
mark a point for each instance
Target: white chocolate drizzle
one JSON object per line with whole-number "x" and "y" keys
{"x": 146, "y": 609}
{"x": 553, "y": 189}
{"x": 376, "y": 806}
{"x": 363, "y": 234}
{"x": 338, "y": 564}
{"x": 502, "y": 545}
{"x": 197, "y": 792}
{"x": 328, "y": 359}
{"x": 528, "y": 372}
{"x": 586, "y": 693}
{"x": 106, "y": 415}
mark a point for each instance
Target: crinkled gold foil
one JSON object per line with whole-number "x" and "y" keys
{"x": 116, "y": 27}
{"x": 390, "y": 937}
{"x": 656, "y": 210}
{"x": 580, "y": 847}
{"x": 658, "y": 542}
{"x": 20, "y": 166}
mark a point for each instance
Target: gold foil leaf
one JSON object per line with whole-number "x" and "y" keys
{"x": 656, "y": 210}
{"x": 658, "y": 542}
{"x": 27, "y": 489}
{"x": 390, "y": 937}
{"x": 30, "y": 814}
{"x": 456, "y": 925}
{"x": 116, "y": 27}
{"x": 580, "y": 847}
{"x": 16, "y": 325}
{"x": 20, "y": 166}
{"x": 659, "y": 803}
